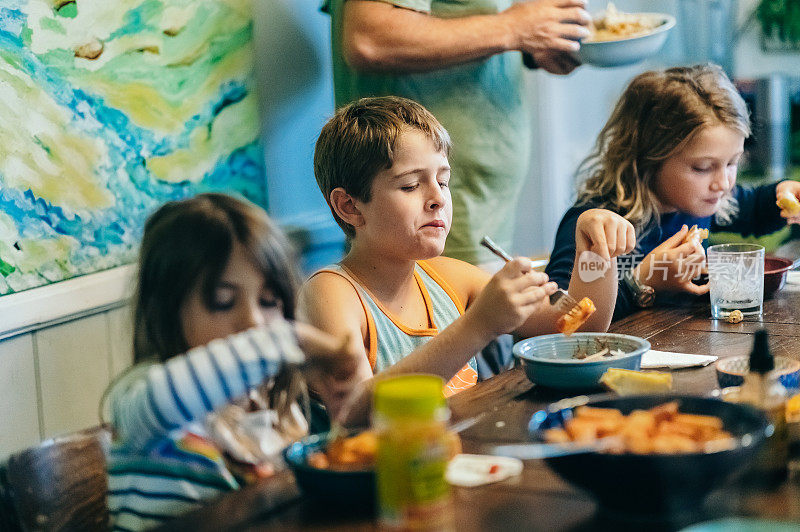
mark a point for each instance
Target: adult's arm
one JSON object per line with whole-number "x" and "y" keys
{"x": 381, "y": 37}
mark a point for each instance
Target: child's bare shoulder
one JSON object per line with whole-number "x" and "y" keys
{"x": 325, "y": 286}
{"x": 327, "y": 299}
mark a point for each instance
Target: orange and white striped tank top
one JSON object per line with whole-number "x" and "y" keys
{"x": 390, "y": 340}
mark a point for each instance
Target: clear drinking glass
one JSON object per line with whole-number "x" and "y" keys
{"x": 736, "y": 277}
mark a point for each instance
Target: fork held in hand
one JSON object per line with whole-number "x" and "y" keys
{"x": 489, "y": 244}
{"x": 559, "y": 299}
{"x": 563, "y": 301}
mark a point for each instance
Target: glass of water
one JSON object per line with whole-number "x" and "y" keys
{"x": 736, "y": 277}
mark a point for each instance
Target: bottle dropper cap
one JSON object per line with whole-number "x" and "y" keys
{"x": 761, "y": 359}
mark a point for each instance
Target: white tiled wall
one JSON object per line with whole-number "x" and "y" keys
{"x": 18, "y": 407}
{"x": 119, "y": 324}
{"x": 74, "y": 360}
{"x": 51, "y": 380}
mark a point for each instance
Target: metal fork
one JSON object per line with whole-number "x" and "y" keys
{"x": 560, "y": 299}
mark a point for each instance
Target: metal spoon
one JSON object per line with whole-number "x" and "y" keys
{"x": 536, "y": 451}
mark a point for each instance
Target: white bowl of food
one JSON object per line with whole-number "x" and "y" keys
{"x": 624, "y": 38}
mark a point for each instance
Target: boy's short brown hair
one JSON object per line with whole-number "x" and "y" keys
{"x": 359, "y": 140}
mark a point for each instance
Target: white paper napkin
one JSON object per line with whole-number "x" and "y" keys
{"x": 470, "y": 470}
{"x": 666, "y": 359}
{"x": 792, "y": 281}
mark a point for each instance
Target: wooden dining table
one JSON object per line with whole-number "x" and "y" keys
{"x": 538, "y": 499}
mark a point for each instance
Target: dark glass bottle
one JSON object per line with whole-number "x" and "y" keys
{"x": 762, "y": 389}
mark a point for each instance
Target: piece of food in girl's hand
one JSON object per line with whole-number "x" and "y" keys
{"x": 789, "y": 203}
{"x": 695, "y": 234}
{"x": 577, "y": 316}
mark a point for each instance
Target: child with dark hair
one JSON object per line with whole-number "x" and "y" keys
{"x": 215, "y": 297}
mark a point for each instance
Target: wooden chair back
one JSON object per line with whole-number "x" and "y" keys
{"x": 61, "y": 484}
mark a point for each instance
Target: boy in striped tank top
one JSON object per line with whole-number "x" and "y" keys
{"x": 382, "y": 165}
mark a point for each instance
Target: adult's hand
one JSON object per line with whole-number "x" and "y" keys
{"x": 555, "y": 62}
{"x": 556, "y": 25}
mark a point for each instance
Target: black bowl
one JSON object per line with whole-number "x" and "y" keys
{"x": 657, "y": 486}
{"x": 347, "y": 488}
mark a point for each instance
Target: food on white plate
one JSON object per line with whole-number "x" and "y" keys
{"x": 614, "y": 25}
{"x": 789, "y": 203}
{"x": 659, "y": 430}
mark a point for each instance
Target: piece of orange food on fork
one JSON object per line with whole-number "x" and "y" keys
{"x": 577, "y": 316}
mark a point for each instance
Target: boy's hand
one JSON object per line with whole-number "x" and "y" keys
{"x": 510, "y": 297}
{"x": 788, "y": 199}
{"x": 604, "y": 232}
{"x": 672, "y": 265}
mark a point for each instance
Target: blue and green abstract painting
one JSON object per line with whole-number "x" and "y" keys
{"x": 108, "y": 108}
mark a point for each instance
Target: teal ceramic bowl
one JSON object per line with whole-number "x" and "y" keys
{"x": 549, "y": 360}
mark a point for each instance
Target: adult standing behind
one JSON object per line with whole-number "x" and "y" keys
{"x": 462, "y": 60}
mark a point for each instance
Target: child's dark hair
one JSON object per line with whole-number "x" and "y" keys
{"x": 358, "y": 142}
{"x": 188, "y": 243}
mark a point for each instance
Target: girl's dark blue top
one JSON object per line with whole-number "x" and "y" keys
{"x": 757, "y": 215}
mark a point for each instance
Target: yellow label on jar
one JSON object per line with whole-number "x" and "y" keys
{"x": 413, "y": 493}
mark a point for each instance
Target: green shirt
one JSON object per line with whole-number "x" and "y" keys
{"x": 484, "y": 107}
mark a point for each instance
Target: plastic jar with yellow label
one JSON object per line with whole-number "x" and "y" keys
{"x": 410, "y": 416}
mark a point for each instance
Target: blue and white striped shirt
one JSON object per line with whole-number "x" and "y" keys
{"x": 155, "y": 471}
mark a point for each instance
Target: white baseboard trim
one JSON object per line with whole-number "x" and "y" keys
{"x": 66, "y": 300}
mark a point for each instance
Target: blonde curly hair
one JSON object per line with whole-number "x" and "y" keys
{"x": 659, "y": 113}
